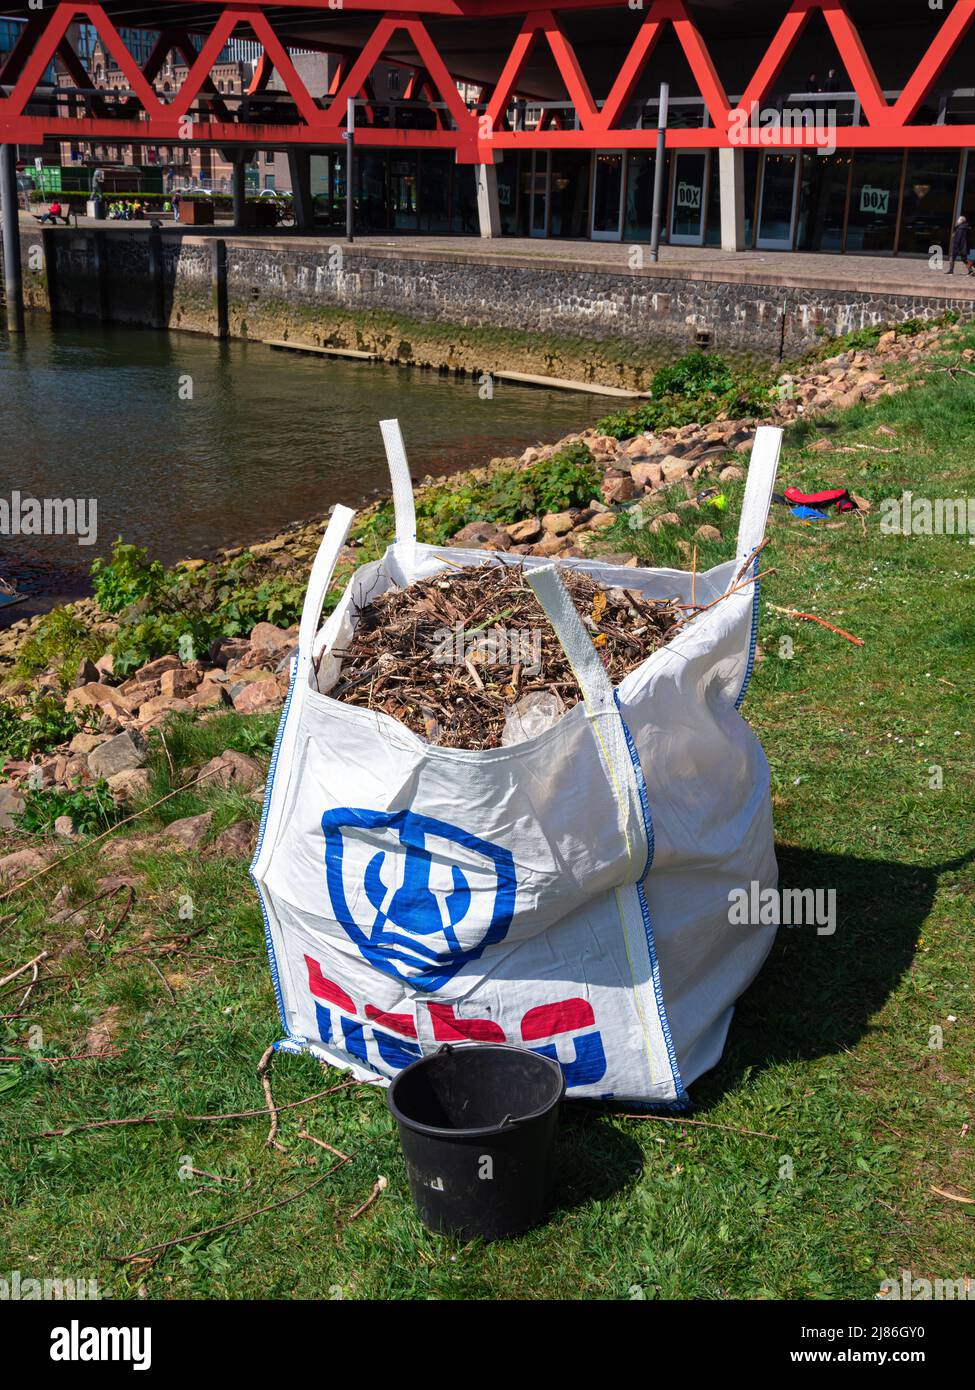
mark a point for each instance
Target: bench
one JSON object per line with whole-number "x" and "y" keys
{"x": 68, "y": 212}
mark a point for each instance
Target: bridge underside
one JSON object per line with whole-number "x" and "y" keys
{"x": 588, "y": 70}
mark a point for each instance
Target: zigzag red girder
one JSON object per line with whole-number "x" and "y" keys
{"x": 473, "y": 135}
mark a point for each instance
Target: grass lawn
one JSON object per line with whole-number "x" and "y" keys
{"x": 851, "y": 1060}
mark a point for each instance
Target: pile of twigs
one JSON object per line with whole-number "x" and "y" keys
{"x": 448, "y": 656}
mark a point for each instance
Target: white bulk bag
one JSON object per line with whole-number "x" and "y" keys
{"x": 569, "y": 894}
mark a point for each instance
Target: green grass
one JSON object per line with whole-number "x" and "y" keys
{"x": 829, "y": 1051}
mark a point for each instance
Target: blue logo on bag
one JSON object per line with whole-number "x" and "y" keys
{"x": 398, "y": 891}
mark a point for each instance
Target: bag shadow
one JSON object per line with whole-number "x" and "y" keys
{"x": 815, "y": 994}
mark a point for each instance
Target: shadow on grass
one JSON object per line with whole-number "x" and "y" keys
{"x": 816, "y": 994}
{"x": 592, "y": 1158}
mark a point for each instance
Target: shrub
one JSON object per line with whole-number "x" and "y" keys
{"x": 59, "y": 642}
{"x": 125, "y": 579}
{"x": 92, "y": 810}
{"x": 694, "y": 389}
{"x": 44, "y": 724}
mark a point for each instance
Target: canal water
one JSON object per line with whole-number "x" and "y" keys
{"x": 189, "y": 444}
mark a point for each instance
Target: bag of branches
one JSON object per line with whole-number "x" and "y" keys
{"x": 510, "y": 802}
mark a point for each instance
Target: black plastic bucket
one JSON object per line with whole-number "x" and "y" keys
{"x": 477, "y": 1124}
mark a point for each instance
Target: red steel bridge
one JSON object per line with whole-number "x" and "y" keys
{"x": 581, "y": 61}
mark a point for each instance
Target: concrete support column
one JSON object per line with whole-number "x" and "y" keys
{"x": 218, "y": 286}
{"x": 731, "y": 180}
{"x": 299, "y": 166}
{"x": 240, "y": 191}
{"x": 488, "y": 207}
{"x": 13, "y": 273}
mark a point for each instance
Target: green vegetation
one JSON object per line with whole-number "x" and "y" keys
{"x": 183, "y": 610}
{"x": 43, "y": 723}
{"x": 59, "y": 642}
{"x": 91, "y": 809}
{"x": 833, "y": 1125}
{"x": 697, "y": 387}
{"x": 569, "y": 478}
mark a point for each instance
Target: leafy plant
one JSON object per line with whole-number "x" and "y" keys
{"x": 125, "y": 579}
{"x": 38, "y": 727}
{"x": 92, "y": 810}
{"x": 60, "y": 642}
{"x": 696, "y": 388}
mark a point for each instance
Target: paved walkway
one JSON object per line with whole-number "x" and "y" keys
{"x": 884, "y": 274}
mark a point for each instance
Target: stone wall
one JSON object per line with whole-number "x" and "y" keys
{"x": 470, "y": 312}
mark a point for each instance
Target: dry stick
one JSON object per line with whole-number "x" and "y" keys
{"x": 303, "y": 1134}
{"x": 88, "y": 844}
{"x": 169, "y": 988}
{"x": 694, "y": 612}
{"x": 14, "y": 973}
{"x": 262, "y": 1071}
{"x": 811, "y": 618}
{"x": 753, "y": 556}
{"x": 694, "y": 578}
{"x": 225, "y": 1225}
{"x": 158, "y": 1117}
{"x": 378, "y": 1186}
{"x": 704, "y": 1124}
{"x": 954, "y": 1197}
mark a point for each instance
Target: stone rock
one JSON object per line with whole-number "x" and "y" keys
{"x": 178, "y": 682}
{"x": 12, "y": 802}
{"x": 257, "y": 697}
{"x": 64, "y": 826}
{"x": 522, "y": 531}
{"x": 557, "y": 523}
{"x": 233, "y": 769}
{"x": 105, "y": 665}
{"x": 672, "y": 468}
{"x": 115, "y": 755}
{"x": 707, "y": 533}
{"x": 86, "y": 743}
{"x": 21, "y": 864}
{"x": 731, "y": 474}
{"x": 551, "y": 545}
{"x": 209, "y": 695}
{"x": 226, "y": 649}
{"x": 481, "y": 535}
{"x": 270, "y": 642}
{"x": 95, "y": 693}
{"x": 87, "y": 672}
{"x": 887, "y": 342}
{"x": 128, "y": 785}
{"x": 154, "y": 669}
{"x": 162, "y": 705}
{"x": 647, "y": 475}
{"x": 190, "y": 832}
{"x": 601, "y": 521}
{"x": 237, "y": 841}
{"x": 665, "y": 519}
{"x": 618, "y": 489}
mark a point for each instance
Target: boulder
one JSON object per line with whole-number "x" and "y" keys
{"x": 95, "y": 693}
{"x": 270, "y": 642}
{"x": 233, "y": 769}
{"x": 86, "y": 743}
{"x": 188, "y": 833}
{"x": 154, "y": 669}
{"x": 550, "y": 544}
{"x": 481, "y": 535}
{"x": 115, "y": 755}
{"x": 258, "y": 697}
{"x": 618, "y": 489}
{"x": 20, "y": 865}
{"x": 128, "y": 785}
{"x": 178, "y": 682}
{"x": 707, "y": 533}
{"x": 647, "y": 475}
{"x": 237, "y": 841}
{"x": 557, "y": 523}
{"x": 665, "y": 519}
{"x": 162, "y": 705}
{"x": 731, "y": 474}
{"x": 86, "y": 673}
{"x": 12, "y": 802}
{"x": 672, "y": 468}
{"x": 522, "y": 531}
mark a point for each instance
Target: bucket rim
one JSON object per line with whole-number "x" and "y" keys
{"x": 480, "y": 1131}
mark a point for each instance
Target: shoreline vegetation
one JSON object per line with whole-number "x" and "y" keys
{"x": 830, "y": 1148}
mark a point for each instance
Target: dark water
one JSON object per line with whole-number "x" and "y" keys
{"x": 268, "y": 437}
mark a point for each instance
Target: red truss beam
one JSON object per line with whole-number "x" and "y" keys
{"x": 592, "y": 123}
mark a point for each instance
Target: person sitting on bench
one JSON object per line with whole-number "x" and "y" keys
{"x": 53, "y": 214}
